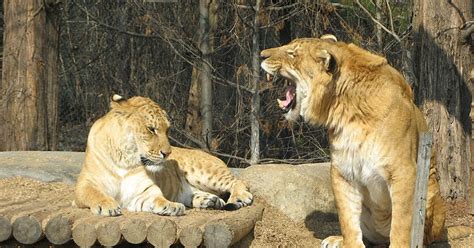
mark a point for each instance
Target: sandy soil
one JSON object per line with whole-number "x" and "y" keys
{"x": 274, "y": 230}
{"x": 277, "y": 230}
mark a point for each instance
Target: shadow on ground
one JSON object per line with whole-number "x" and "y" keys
{"x": 322, "y": 224}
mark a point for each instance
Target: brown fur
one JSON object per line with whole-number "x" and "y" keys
{"x": 130, "y": 164}
{"x": 373, "y": 127}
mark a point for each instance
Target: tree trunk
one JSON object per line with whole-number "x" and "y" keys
{"x": 443, "y": 90}
{"x": 255, "y": 107}
{"x": 471, "y": 186}
{"x": 469, "y": 41}
{"x": 122, "y": 46}
{"x": 29, "y": 88}
{"x": 199, "y": 115}
{"x": 378, "y": 29}
{"x": 205, "y": 75}
{"x": 193, "y": 118}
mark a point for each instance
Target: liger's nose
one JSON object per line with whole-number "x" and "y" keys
{"x": 166, "y": 153}
{"x": 268, "y": 52}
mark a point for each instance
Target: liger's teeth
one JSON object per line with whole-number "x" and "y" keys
{"x": 269, "y": 77}
{"x": 280, "y": 103}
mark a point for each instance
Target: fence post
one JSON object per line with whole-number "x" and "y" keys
{"x": 421, "y": 189}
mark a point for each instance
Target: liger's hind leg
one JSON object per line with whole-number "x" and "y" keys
{"x": 216, "y": 177}
{"x": 206, "y": 200}
{"x": 435, "y": 211}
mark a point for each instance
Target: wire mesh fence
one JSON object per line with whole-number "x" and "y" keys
{"x": 149, "y": 48}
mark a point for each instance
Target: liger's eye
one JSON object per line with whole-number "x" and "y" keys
{"x": 291, "y": 52}
{"x": 151, "y": 130}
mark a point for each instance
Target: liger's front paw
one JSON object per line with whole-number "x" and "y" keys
{"x": 107, "y": 207}
{"x": 332, "y": 242}
{"x": 168, "y": 208}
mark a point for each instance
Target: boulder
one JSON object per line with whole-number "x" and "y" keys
{"x": 302, "y": 192}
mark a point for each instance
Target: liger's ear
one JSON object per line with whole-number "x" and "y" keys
{"x": 117, "y": 100}
{"x": 329, "y": 37}
{"x": 325, "y": 56}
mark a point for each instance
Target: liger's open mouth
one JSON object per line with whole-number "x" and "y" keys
{"x": 288, "y": 100}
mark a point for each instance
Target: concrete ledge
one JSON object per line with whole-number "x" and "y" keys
{"x": 45, "y": 166}
{"x": 302, "y": 192}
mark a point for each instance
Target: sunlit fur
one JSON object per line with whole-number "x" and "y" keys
{"x": 373, "y": 126}
{"x": 130, "y": 164}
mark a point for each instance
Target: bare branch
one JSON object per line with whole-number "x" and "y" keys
{"x": 377, "y": 22}
{"x": 466, "y": 34}
{"x": 272, "y": 8}
{"x": 390, "y": 16}
{"x": 230, "y": 83}
{"x": 283, "y": 18}
{"x": 96, "y": 20}
{"x": 466, "y": 28}
{"x": 340, "y": 5}
{"x": 163, "y": 38}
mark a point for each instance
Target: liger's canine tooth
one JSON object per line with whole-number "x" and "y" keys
{"x": 280, "y": 103}
{"x": 269, "y": 77}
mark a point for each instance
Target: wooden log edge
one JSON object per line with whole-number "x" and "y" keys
{"x": 226, "y": 232}
{"x": 191, "y": 231}
{"x": 58, "y": 226}
{"x": 30, "y": 231}
{"x": 191, "y": 236}
{"x": 133, "y": 229}
{"x": 27, "y": 227}
{"x": 27, "y": 230}
{"x": 162, "y": 233}
{"x": 5, "y": 228}
{"x": 83, "y": 231}
{"x": 108, "y": 231}
{"x": 58, "y": 230}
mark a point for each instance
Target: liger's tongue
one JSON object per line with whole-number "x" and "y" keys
{"x": 289, "y": 96}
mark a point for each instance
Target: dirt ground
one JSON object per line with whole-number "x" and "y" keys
{"x": 277, "y": 230}
{"x": 274, "y": 230}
